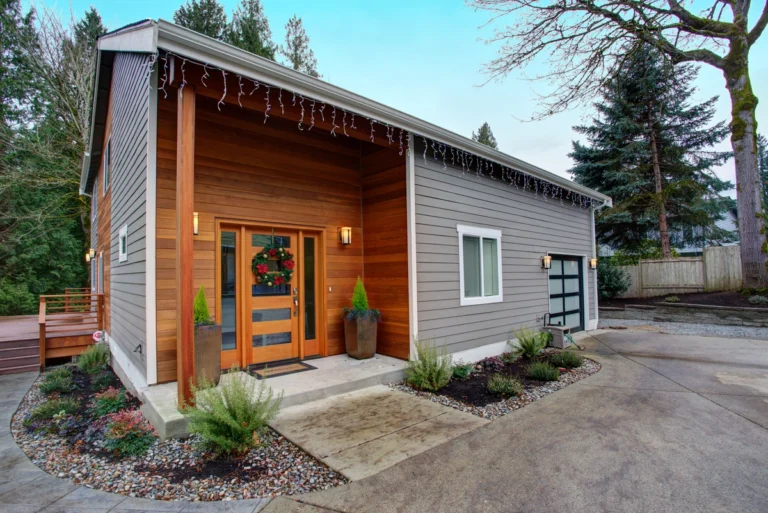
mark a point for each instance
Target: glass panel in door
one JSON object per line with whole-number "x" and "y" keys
{"x": 228, "y": 296}
{"x": 273, "y": 309}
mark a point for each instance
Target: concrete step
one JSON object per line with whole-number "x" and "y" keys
{"x": 332, "y": 376}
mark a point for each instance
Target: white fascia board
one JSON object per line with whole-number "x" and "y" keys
{"x": 140, "y": 38}
{"x": 195, "y": 46}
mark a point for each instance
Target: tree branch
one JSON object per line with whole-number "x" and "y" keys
{"x": 757, "y": 30}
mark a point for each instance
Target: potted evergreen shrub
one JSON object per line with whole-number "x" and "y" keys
{"x": 360, "y": 324}
{"x": 207, "y": 341}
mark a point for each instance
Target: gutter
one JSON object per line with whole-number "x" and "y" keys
{"x": 196, "y": 46}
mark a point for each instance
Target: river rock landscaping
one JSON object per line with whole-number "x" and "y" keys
{"x": 98, "y": 438}
{"x": 472, "y": 395}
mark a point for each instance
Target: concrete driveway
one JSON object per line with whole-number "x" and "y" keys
{"x": 670, "y": 424}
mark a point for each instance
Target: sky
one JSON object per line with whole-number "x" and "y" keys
{"x": 425, "y": 58}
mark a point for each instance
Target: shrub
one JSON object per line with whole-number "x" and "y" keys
{"x": 111, "y": 400}
{"x": 103, "y": 380}
{"x": 128, "y": 433}
{"x": 529, "y": 343}
{"x": 758, "y": 300}
{"x": 501, "y": 384}
{"x": 493, "y": 364}
{"x": 462, "y": 370}
{"x": 229, "y": 417}
{"x": 94, "y": 359}
{"x": 509, "y": 358}
{"x": 567, "y": 359}
{"x": 57, "y": 382}
{"x": 431, "y": 370}
{"x": 49, "y": 409}
{"x": 200, "y": 308}
{"x": 612, "y": 280}
{"x": 671, "y": 299}
{"x": 542, "y": 371}
{"x": 360, "y": 308}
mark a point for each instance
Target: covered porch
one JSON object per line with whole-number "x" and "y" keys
{"x": 241, "y": 169}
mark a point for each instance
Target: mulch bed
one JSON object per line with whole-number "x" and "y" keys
{"x": 170, "y": 470}
{"x": 699, "y": 298}
{"x": 472, "y": 396}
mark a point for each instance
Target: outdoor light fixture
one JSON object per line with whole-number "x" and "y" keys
{"x": 87, "y": 257}
{"x": 593, "y": 263}
{"x": 195, "y": 222}
{"x": 546, "y": 262}
{"x": 92, "y": 252}
{"x": 345, "y": 235}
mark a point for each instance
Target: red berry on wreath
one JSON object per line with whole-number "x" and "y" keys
{"x": 289, "y": 264}
{"x": 262, "y": 268}
{"x": 272, "y": 252}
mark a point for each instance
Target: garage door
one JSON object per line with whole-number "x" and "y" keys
{"x": 566, "y": 297}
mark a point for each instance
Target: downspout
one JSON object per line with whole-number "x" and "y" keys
{"x": 594, "y": 255}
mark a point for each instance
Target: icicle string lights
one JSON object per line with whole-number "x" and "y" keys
{"x": 441, "y": 152}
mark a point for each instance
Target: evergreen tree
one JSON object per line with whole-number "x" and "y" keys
{"x": 485, "y": 136}
{"x": 296, "y": 50}
{"x": 650, "y": 150}
{"x": 250, "y": 30}
{"x": 204, "y": 16}
{"x": 89, "y": 29}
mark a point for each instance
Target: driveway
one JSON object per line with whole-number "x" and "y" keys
{"x": 671, "y": 423}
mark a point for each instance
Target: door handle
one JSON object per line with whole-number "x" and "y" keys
{"x": 296, "y": 306}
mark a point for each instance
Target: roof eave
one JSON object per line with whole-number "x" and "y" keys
{"x": 196, "y": 46}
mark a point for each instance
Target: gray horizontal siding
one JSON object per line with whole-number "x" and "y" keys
{"x": 130, "y": 117}
{"x": 531, "y": 227}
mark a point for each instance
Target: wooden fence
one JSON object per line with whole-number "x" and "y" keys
{"x": 718, "y": 269}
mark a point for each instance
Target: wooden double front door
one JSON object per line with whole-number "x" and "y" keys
{"x": 267, "y": 321}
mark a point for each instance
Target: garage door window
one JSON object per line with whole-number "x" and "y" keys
{"x": 479, "y": 265}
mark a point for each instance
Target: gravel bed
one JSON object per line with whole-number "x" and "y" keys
{"x": 495, "y": 410}
{"x": 276, "y": 468}
{"x": 681, "y": 328}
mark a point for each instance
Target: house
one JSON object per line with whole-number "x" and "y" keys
{"x": 202, "y": 154}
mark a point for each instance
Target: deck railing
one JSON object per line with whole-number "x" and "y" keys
{"x": 67, "y": 323}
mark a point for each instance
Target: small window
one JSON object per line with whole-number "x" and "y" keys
{"x": 107, "y": 165}
{"x": 480, "y": 265}
{"x": 122, "y": 241}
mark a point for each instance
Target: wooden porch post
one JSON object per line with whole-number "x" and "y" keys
{"x": 185, "y": 191}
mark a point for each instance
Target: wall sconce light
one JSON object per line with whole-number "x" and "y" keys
{"x": 195, "y": 222}
{"x": 345, "y": 235}
{"x": 546, "y": 262}
{"x": 91, "y": 253}
{"x": 593, "y": 263}
{"x": 87, "y": 257}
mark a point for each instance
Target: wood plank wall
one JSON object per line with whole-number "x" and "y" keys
{"x": 245, "y": 169}
{"x": 385, "y": 247}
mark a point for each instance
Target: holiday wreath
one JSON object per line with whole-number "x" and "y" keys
{"x": 285, "y": 265}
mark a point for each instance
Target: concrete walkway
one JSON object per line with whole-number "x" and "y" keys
{"x": 670, "y": 423}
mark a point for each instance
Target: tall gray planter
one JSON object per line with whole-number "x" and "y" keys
{"x": 208, "y": 351}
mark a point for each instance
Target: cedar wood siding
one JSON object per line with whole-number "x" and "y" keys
{"x": 531, "y": 227}
{"x": 130, "y": 116}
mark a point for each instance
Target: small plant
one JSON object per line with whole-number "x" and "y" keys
{"x": 102, "y": 381}
{"x": 200, "y": 309}
{"x": 567, "y": 360}
{"x": 229, "y": 417}
{"x": 671, "y": 299}
{"x": 758, "y": 300}
{"x": 431, "y": 370}
{"x": 94, "y": 359}
{"x": 360, "y": 308}
{"x": 529, "y": 343}
{"x": 509, "y": 358}
{"x": 542, "y": 371}
{"x": 493, "y": 364}
{"x": 57, "y": 381}
{"x": 128, "y": 433}
{"x": 111, "y": 400}
{"x": 501, "y": 384}
{"x": 612, "y": 279}
{"x": 462, "y": 370}
{"x": 49, "y": 409}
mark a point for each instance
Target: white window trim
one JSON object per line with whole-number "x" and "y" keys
{"x": 486, "y": 233}
{"x": 106, "y": 162}
{"x": 123, "y": 234}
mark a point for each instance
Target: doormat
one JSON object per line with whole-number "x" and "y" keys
{"x": 263, "y": 371}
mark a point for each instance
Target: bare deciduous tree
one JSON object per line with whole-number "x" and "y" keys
{"x": 586, "y": 42}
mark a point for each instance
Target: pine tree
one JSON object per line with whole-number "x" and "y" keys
{"x": 204, "y": 16}
{"x": 250, "y": 30}
{"x": 296, "y": 50}
{"x": 650, "y": 150}
{"x": 485, "y": 136}
{"x": 89, "y": 29}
